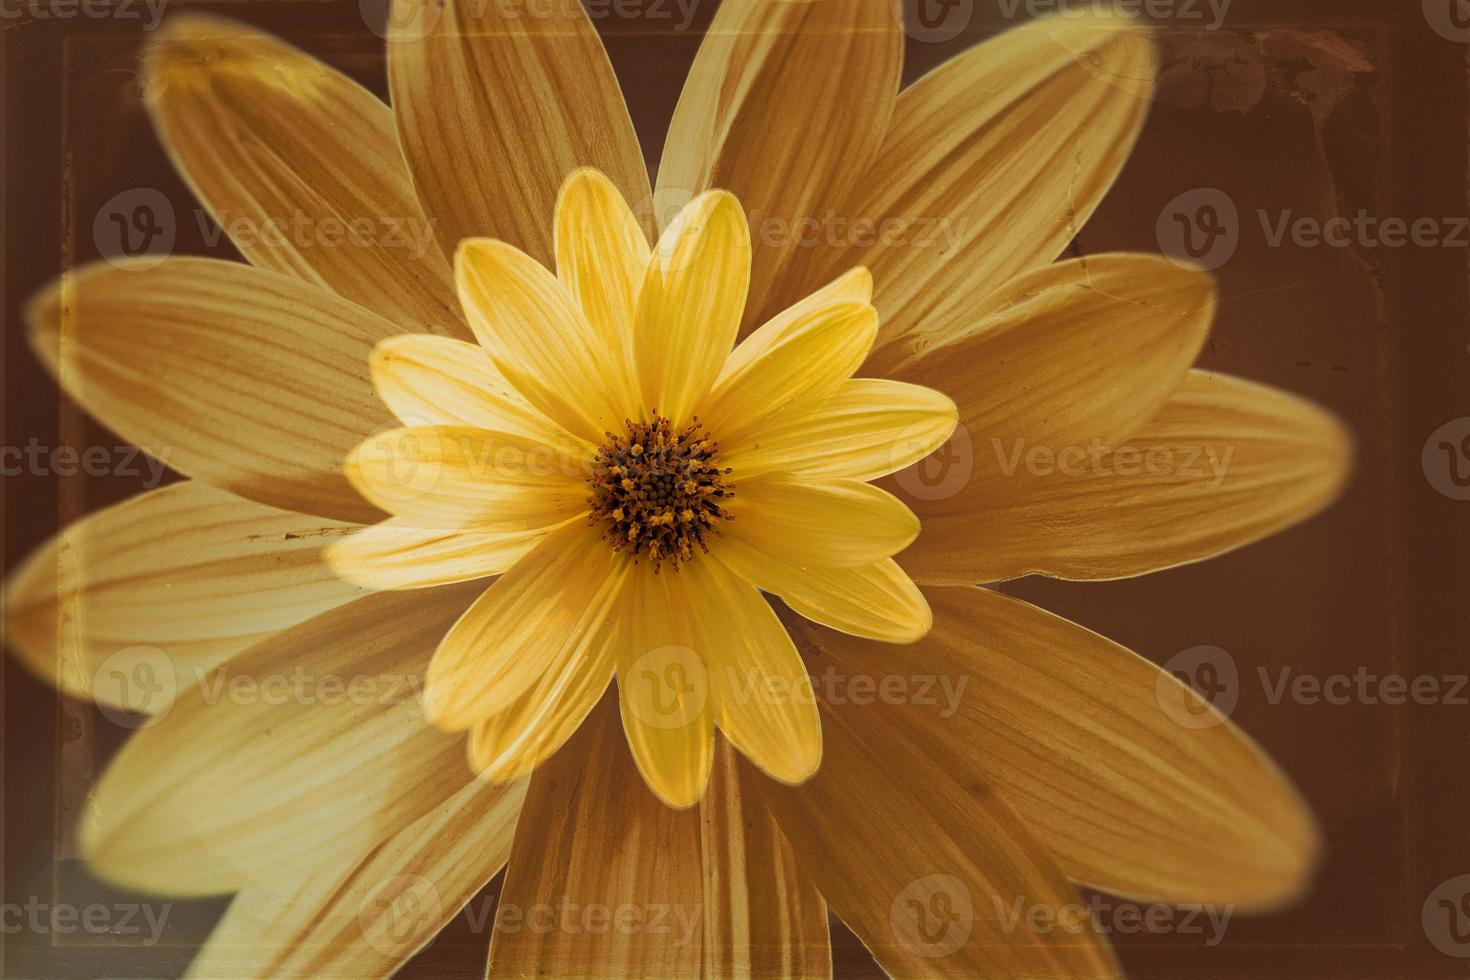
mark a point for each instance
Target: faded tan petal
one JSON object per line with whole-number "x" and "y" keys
{"x": 785, "y": 106}
{"x": 367, "y": 914}
{"x": 601, "y": 842}
{"x": 246, "y": 379}
{"x": 497, "y": 104}
{"x": 308, "y": 745}
{"x": 186, "y": 576}
{"x": 1136, "y": 786}
{"x": 300, "y": 166}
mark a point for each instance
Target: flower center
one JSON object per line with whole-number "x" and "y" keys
{"x": 659, "y": 492}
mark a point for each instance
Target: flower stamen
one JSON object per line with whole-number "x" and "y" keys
{"x": 659, "y": 492}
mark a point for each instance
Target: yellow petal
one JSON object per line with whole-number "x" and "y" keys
{"x": 540, "y": 341}
{"x": 665, "y": 685}
{"x": 447, "y": 477}
{"x": 925, "y": 867}
{"x": 761, "y": 696}
{"x": 165, "y": 584}
{"x": 839, "y": 522}
{"x": 1099, "y": 754}
{"x": 785, "y": 106}
{"x": 865, "y": 429}
{"x": 310, "y": 744}
{"x": 764, "y": 917}
{"x": 369, "y": 913}
{"x": 601, "y": 257}
{"x": 245, "y": 379}
{"x": 300, "y": 166}
{"x": 513, "y": 742}
{"x": 690, "y": 304}
{"x": 600, "y": 842}
{"x": 787, "y": 368}
{"x": 877, "y": 601}
{"x": 440, "y": 381}
{"x": 1058, "y": 101}
{"x": 496, "y": 106}
{"x": 1224, "y": 463}
{"x": 546, "y": 611}
{"x": 398, "y": 555}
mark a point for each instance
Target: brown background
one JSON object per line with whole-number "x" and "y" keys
{"x": 1318, "y": 107}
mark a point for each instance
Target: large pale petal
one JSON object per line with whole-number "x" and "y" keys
{"x": 397, "y": 555}
{"x": 763, "y": 916}
{"x": 935, "y": 874}
{"x": 993, "y": 164}
{"x": 448, "y": 477}
{"x": 1134, "y": 784}
{"x": 546, "y": 612}
{"x": 441, "y": 381}
{"x": 785, "y": 106}
{"x": 606, "y": 881}
{"x": 540, "y": 341}
{"x": 783, "y": 369}
{"x": 497, "y": 103}
{"x": 164, "y": 585}
{"x": 310, "y": 744}
{"x": 247, "y": 379}
{"x": 878, "y": 601}
{"x": 300, "y": 166}
{"x": 367, "y": 915}
{"x": 690, "y": 304}
{"x": 865, "y": 429}
{"x": 839, "y": 522}
{"x": 1224, "y": 463}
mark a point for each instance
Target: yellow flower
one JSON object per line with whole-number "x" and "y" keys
{"x": 970, "y": 769}
{"x": 637, "y": 482}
